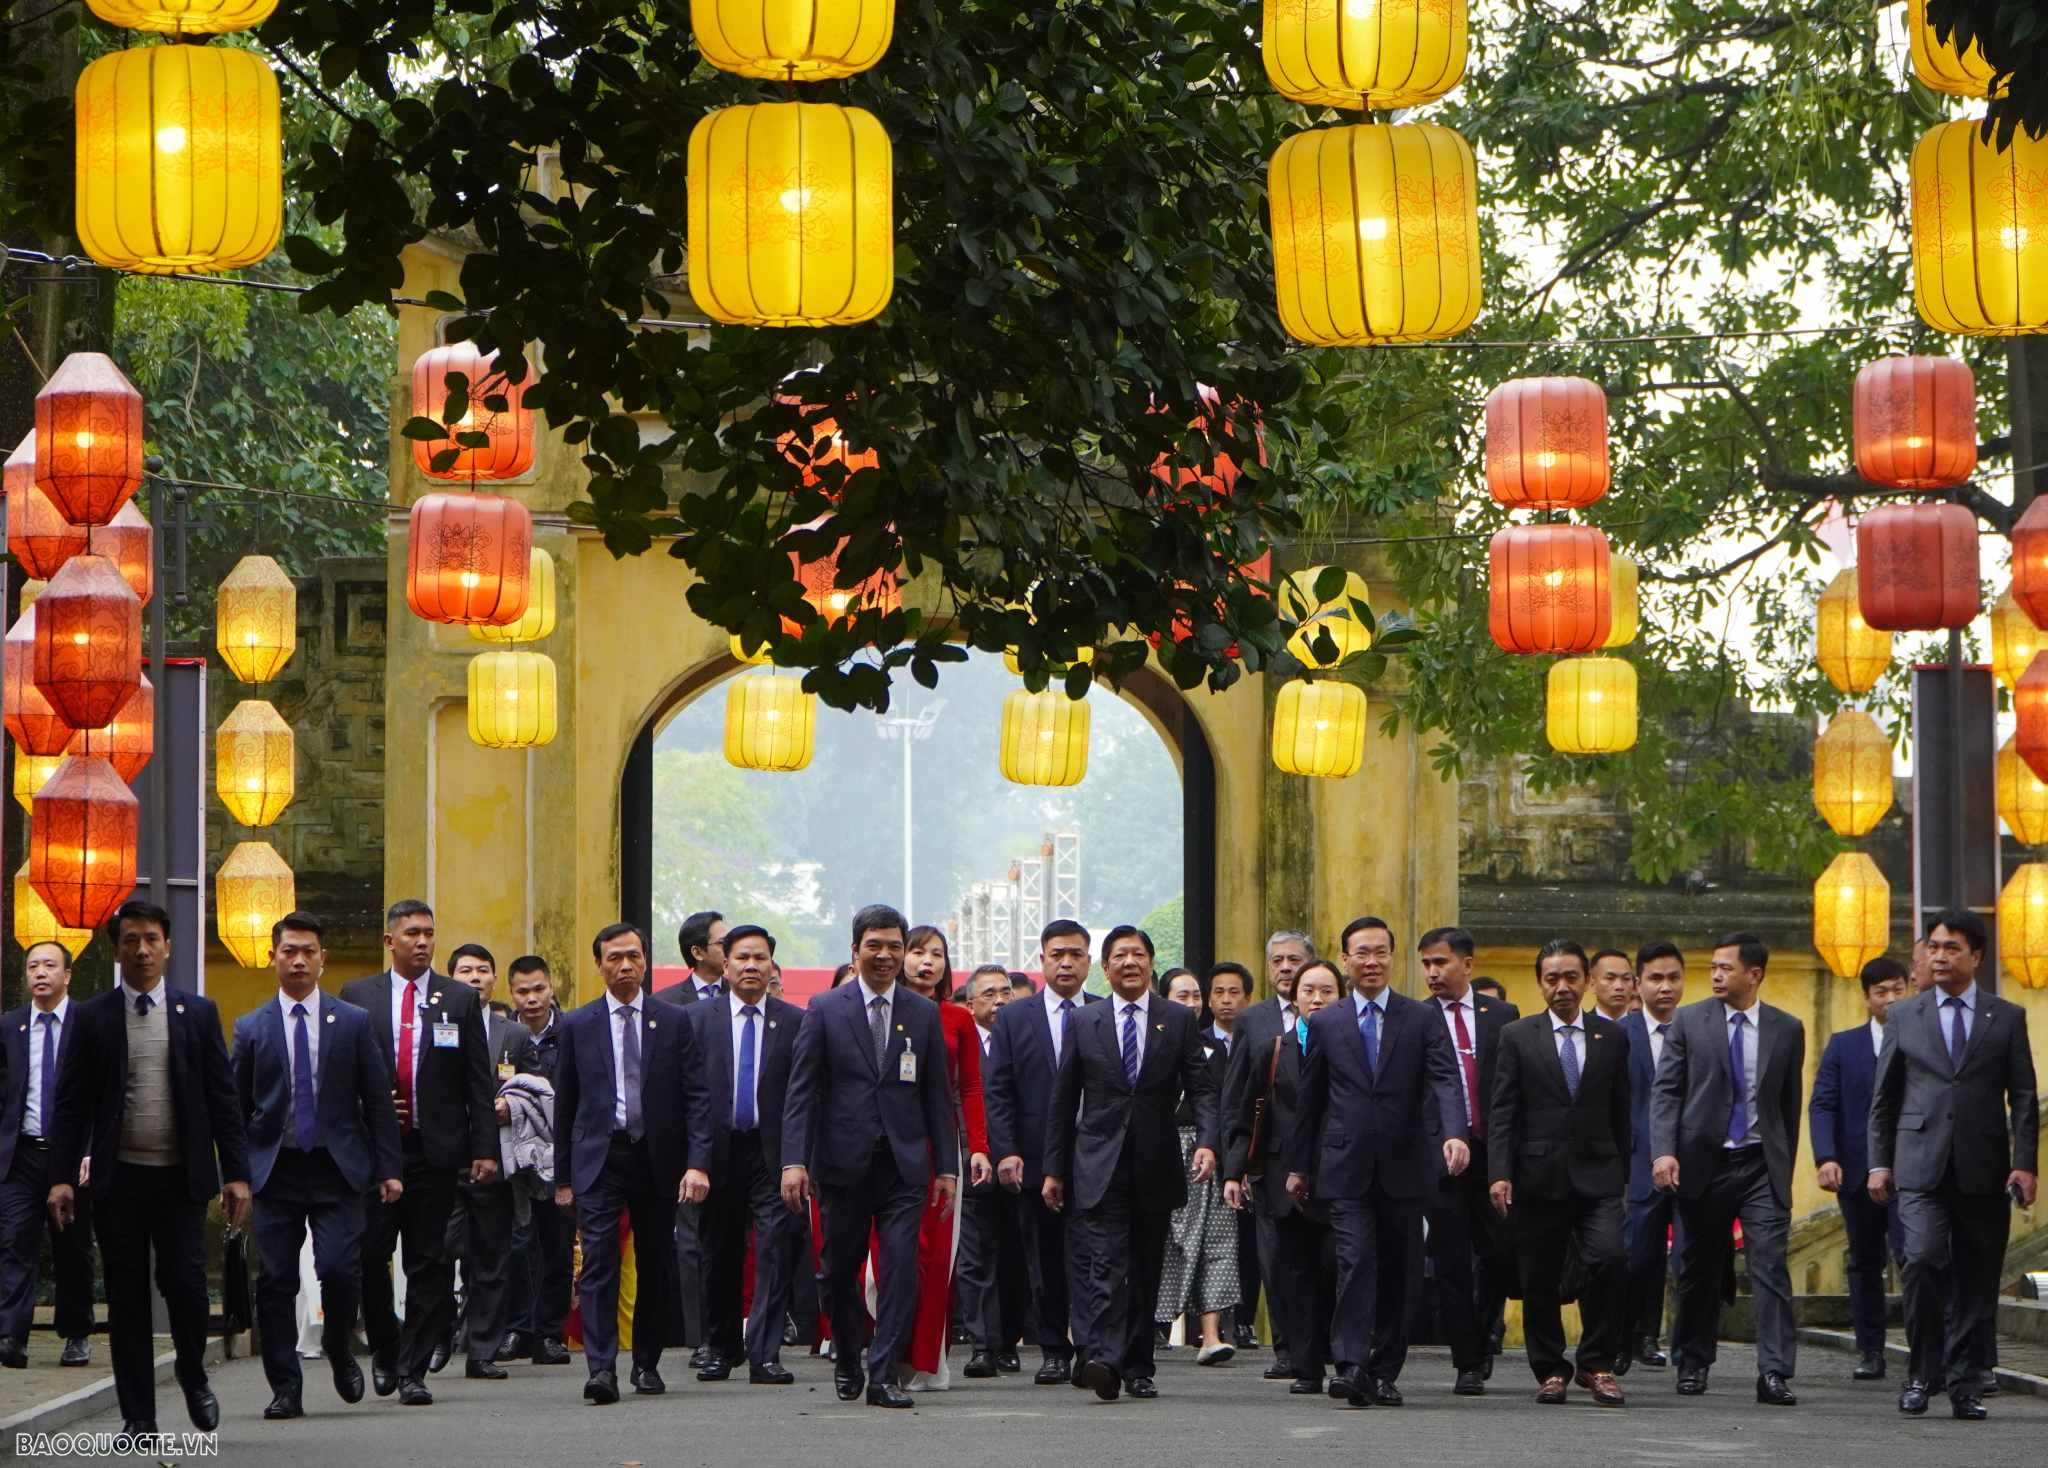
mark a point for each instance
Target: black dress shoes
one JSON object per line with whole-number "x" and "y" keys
{"x": 383, "y": 1374}
{"x": 1142, "y": 1387}
{"x": 602, "y": 1388}
{"x": 77, "y": 1352}
{"x": 698, "y": 1357}
{"x": 548, "y": 1351}
{"x": 1987, "y": 1384}
{"x": 1284, "y": 1361}
{"x": 412, "y": 1392}
{"x": 1243, "y": 1338}
{"x": 516, "y": 1345}
{"x": 438, "y": 1361}
{"x": 888, "y": 1394}
{"x": 1354, "y": 1386}
{"x": 1008, "y": 1364}
{"x": 980, "y": 1366}
{"x": 1870, "y": 1368}
{"x": 283, "y": 1406}
{"x": 1279, "y": 1371}
{"x": 1469, "y": 1384}
{"x": 1053, "y": 1370}
{"x": 13, "y": 1352}
{"x": 773, "y": 1374}
{"x": 715, "y": 1368}
{"x": 138, "y": 1426}
{"x": 1099, "y": 1378}
{"x": 1692, "y": 1382}
{"x": 1772, "y": 1391}
{"x": 1646, "y": 1352}
{"x": 1967, "y": 1409}
{"x": 1386, "y": 1394}
{"x": 478, "y": 1370}
{"x": 1306, "y": 1386}
{"x": 849, "y": 1387}
{"x": 202, "y": 1406}
{"x": 1913, "y": 1397}
{"x": 648, "y": 1383}
{"x": 348, "y": 1377}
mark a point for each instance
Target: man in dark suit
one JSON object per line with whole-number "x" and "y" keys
{"x": 744, "y": 1042}
{"x": 1111, "y": 1128}
{"x": 988, "y": 1241}
{"x": 629, "y": 1096}
{"x": 1558, "y": 1125}
{"x": 701, "y": 941}
{"x": 430, "y": 1031}
{"x": 1955, "y": 1134}
{"x": 1465, "y": 1242}
{"x": 1378, "y": 1065}
{"x": 1840, "y": 1116}
{"x": 1652, "y": 1215}
{"x": 1724, "y": 1129}
{"x": 870, "y": 1105}
{"x": 34, "y": 1040}
{"x": 147, "y": 1090}
{"x": 543, "y": 1247}
{"x": 1023, "y": 1057}
{"x": 323, "y": 1131}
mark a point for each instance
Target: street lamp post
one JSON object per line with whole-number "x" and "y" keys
{"x": 911, "y": 729}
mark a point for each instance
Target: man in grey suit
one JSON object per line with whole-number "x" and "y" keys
{"x": 1954, "y": 1066}
{"x": 1724, "y": 1128}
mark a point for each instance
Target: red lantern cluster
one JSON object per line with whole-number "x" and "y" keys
{"x": 509, "y": 452}
{"x": 31, "y": 721}
{"x": 1546, "y": 443}
{"x": 88, "y": 439}
{"x": 826, "y": 445}
{"x": 1216, "y": 425}
{"x": 88, "y": 642}
{"x": 1916, "y": 422}
{"x": 82, "y": 838}
{"x": 467, "y": 558}
{"x": 37, "y": 532}
{"x": 2030, "y": 562}
{"x": 1547, "y": 589}
{"x": 2030, "y": 710}
{"x": 1917, "y": 567}
{"x": 128, "y": 742}
{"x": 127, "y": 541}
{"x": 836, "y": 603}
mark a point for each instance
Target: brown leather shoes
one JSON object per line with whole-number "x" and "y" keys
{"x": 1605, "y": 1389}
{"x": 1551, "y": 1393}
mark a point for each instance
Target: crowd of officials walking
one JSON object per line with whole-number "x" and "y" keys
{"x": 894, "y": 1168}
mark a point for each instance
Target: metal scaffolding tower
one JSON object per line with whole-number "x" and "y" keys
{"x": 1031, "y": 918}
{"x": 1066, "y": 874}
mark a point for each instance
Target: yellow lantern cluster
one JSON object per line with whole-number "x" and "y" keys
{"x": 1852, "y": 906}
{"x": 537, "y": 623}
{"x": 255, "y": 759}
{"x": 1045, "y": 738}
{"x": 251, "y": 891}
{"x": 1980, "y": 231}
{"x": 793, "y": 40}
{"x": 2022, "y": 798}
{"x": 1319, "y": 729}
{"x": 2014, "y": 640}
{"x": 34, "y": 922}
{"x": 512, "y": 699}
{"x": 1395, "y": 53}
{"x": 1852, "y": 653}
{"x": 1590, "y": 706}
{"x": 256, "y": 614}
{"x": 2023, "y": 926}
{"x": 770, "y": 723}
{"x": 1319, "y": 622}
{"x": 31, "y": 773}
{"x": 1938, "y": 65}
{"x": 1852, "y": 773}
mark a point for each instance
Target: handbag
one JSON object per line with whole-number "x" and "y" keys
{"x": 1253, "y": 1166}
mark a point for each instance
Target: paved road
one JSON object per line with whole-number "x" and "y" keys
{"x": 1221, "y": 1416}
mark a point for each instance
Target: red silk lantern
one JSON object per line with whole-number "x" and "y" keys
{"x": 88, "y": 648}
{"x": 2030, "y": 562}
{"x": 1916, "y": 567}
{"x": 88, "y": 438}
{"x": 1546, "y": 443}
{"x": 467, "y": 559}
{"x": 40, "y": 537}
{"x": 129, "y": 741}
{"x": 127, "y": 541}
{"x": 1916, "y": 422}
{"x": 509, "y": 453}
{"x": 1547, "y": 590}
{"x": 81, "y": 842}
{"x": 2030, "y": 711}
{"x": 1216, "y": 425}
{"x": 836, "y": 603}
{"x": 827, "y": 445}
{"x": 35, "y": 726}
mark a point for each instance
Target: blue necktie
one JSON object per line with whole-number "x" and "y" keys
{"x": 1369, "y": 1026}
{"x": 1738, "y": 1114}
{"x": 743, "y": 1100}
{"x": 48, "y": 1089}
{"x": 302, "y": 1080}
{"x": 1568, "y": 1055}
{"x": 1066, "y": 1024}
{"x": 1956, "y": 1037}
{"x": 1131, "y": 1045}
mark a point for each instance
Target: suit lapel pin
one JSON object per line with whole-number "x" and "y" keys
{"x": 330, "y": 1018}
{"x": 433, "y": 999}
{"x": 652, "y": 1022}
{"x": 1159, "y": 1026}
{"x": 771, "y": 1025}
{"x": 899, "y": 1029}
{"x": 181, "y": 1009}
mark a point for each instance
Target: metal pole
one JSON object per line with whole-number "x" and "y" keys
{"x": 909, "y": 892}
{"x": 1957, "y": 850}
{"x": 160, "y": 494}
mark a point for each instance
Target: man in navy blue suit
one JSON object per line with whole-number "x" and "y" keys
{"x": 1023, "y": 1058}
{"x": 1651, "y": 1216}
{"x": 1839, "y": 1111}
{"x": 1378, "y": 1064}
{"x": 36, "y": 1037}
{"x": 870, "y": 1105}
{"x": 323, "y": 1130}
{"x": 745, "y": 1040}
{"x": 629, "y": 1095}
{"x": 1113, "y": 1130}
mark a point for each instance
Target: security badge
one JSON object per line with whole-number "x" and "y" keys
{"x": 505, "y": 1071}
{"x": 906, "y": 1064}
{"x": 447, "y": 1036}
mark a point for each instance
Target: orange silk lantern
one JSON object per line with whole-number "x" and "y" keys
{"x": 2030, "y": 714}
{"x": 37, "y": 533}
{"x": 826, "y": 445}
{"x": 88, "y": 438}
{"x": 127, "y": 541}
{"x": 130, "y": 740}
{"x": 1216, "y": 425}
{"x": 88, "y": 648}
{"x": 509, "y": 453}
{"x": 468, "y": 559}
{"x": 33, "y": 723}
{"x": 2030, "y": 562}
{"x": 1916, "y": 422}
{"x": 836, "y": 603}
{"x": 1546, "y": 443}
{"x": 1917, "y": 567}
{"x": 81, "y": 843}
{"x": 1548, "y": 590}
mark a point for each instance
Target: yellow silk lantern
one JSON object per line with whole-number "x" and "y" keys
{"x": 2022, "y": 798}
{"x": 754, "y": 656}
{"x": 1375, "y": 234}
{"x": 183, "y": 17}
{"x": 1980, "y": 231}
{"x": 255, "y": 761}
{"x": 793, "y": 40}
{"x": 1936, "y": 63}
{"x": 770, "y": 723}
{"x": 1319, "y": 729}
{"x": 251, "y": 891}
{"x": 1589, "y": 706}
{"x": 179, "y": 159}
{"x": 255, "y": 619}
{"x": 1850, "y": 651}
{"x": 34, "y": 922}
{"x": 2014, "y": 640}
{"x": 31, "y": 773}
{"x": 1045, "y": 738}
{"x": 1852, "y": 913}
{"x": 1622, "y": 577}
{"x": 1852, "y": 773}
{"x": 1364, "y": 55}
{"x": 1320, "y": 620}
{"x": 792, "y": 215}
{"x": 511, "y": 699}
{"x": 539, "y": 619}
{"x": 2023, "y": 925}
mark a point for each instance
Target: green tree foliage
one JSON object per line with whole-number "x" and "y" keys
{"x": 2013, "y": 35}
{"x": 1166, "y": 925}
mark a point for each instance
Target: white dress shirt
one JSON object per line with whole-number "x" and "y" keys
{"x": 1288, "y": 1013}
{"x": 422, "y": 1032}
{"x": 1753, "y": 1014}
{"x": 129, "y": 996}
{"x": 1471, "y": 1037}
{"x": 739, "y": 1029}
{"x": 1574, "y": 1035}
{"x": 711, "y": 990}
{"x": 1221, "y": 1036}
{"x": 32, "y": 1118}
{"x": 1876, "y": 1037}
{"x": 1656, "y": 1029}
{"x": 1143, "y": 1005}
{"x": 1053, "y": 1018}
{"x": 312, "y": 1003}
{"x": 986, "y": 1036}
{"x": 618, "y": 1034}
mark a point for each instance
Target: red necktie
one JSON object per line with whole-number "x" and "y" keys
{"x": 1471, "y": 1064}
{"x": 405, "y": 1027}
